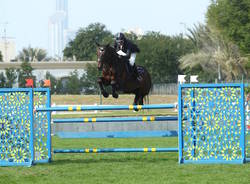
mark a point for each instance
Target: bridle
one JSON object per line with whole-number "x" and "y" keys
{"x": 100, "y": 53}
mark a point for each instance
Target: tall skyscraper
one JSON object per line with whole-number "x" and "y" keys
{"x": 58, "y": 26}
{"x": 8, "y": 49}
{"x": 7, "y": 45}
{"x": 62, "y": 5}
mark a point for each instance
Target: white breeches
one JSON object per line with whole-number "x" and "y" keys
{"x": 132, "y": 59}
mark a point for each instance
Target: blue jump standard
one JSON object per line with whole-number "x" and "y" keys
{"x": 117, "y": 119}
{"x": 109, "y": 150}
{"x": 107, "y": 107}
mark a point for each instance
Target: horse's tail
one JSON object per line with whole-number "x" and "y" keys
{"x": 151, "y": 87}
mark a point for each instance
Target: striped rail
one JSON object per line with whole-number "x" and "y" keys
{"x": 116, "y": 119}
{"x": 107, "y": 107}
{"x": 109, "y": 150}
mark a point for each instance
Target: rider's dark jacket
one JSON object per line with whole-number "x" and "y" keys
{"x": 128, "y": 48}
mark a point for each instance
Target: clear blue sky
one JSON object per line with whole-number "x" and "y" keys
{"x": 28, "y": 19}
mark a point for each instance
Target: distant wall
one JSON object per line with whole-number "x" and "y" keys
{"x": 118, "y": 129}
{"x": 117, "y": 126}
{"x": 165, "y": 89}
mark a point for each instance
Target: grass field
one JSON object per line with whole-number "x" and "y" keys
{"x": 95, "y": 99}
{"x": 134, "y": 168}
{"x": 122, "y": 167}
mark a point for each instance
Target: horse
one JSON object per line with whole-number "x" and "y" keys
{"x": 115, "y": 73}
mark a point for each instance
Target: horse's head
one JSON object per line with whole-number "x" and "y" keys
{"x": 105, "y": 55}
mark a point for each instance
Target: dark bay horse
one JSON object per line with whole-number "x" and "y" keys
{"x": 115, "y": 73}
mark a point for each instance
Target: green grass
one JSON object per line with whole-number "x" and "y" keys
{"x": 122, "y": 167}
{"x": 134, "y": 168}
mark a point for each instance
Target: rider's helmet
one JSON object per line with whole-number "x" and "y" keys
{"x": 120, "y": 38}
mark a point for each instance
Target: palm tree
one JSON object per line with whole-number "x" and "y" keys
{"x": 214, "y": 54}
{"x": 32, "y": 54}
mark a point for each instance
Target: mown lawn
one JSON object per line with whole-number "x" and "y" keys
{"x": 122, "y": 167}
{"x": 96, "y": 99}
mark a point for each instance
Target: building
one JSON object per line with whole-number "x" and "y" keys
{"x": 69, "y": 35}
{"x": 58, "y": 29}
{"x": 8, "y": 49}
{"x": 137, "y": 31}
{"x": 62, "y": 6}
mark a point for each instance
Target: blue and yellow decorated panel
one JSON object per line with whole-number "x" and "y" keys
{"x": 42, "y": 138}
{"x": 16, "y": 127}
{"x": 211, "y": 123}
{"x": 247, "y": 112}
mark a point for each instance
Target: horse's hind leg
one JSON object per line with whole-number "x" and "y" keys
{"x": 136, "y": 99}
{"x": 103, "y": 91}
{"x": 141, "y": 100}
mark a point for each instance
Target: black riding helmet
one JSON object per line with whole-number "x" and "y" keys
{"x": 120, "y": 38}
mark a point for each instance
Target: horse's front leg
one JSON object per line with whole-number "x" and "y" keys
{"x": 103, "y": 91}
{"x": 113, "y": 85}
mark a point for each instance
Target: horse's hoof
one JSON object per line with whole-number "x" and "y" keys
{"x": 115, "y": 95}
{"x": 105, "y": 94}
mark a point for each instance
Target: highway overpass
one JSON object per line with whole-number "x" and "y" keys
{"x": 46, "y": 65}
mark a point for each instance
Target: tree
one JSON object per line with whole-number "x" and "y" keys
{"x": 2, "y": 80}
{"x": 73, "y": 84}
{"x": 32, "y": 54}
{"x": 232, "y": 19}
{"x": 24, "y": 73}
{"x": 59, "y": 87}
{"x": 83, "y": 47}
{"x": 160, "y": 54}
{"x": 213, "y": 54}
{"x": 89, "y": 80}
{"x": 1, "y": 56}
{"x": 11, "y": 76}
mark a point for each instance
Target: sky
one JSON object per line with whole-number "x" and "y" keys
{"x": 28, "y": 19}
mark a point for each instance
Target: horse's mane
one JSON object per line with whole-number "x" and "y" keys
{"x": 111, "y": 50}
{"x": 113, "y": 56}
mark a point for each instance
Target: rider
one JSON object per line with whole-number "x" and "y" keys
{"x": 127, "y": 49}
